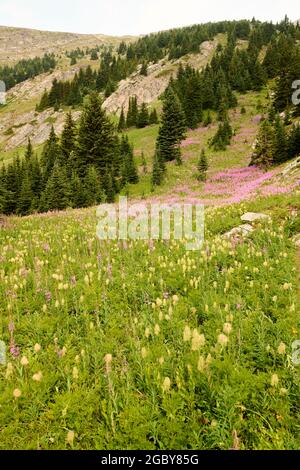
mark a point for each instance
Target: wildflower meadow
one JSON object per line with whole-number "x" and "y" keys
{"x": 145, "y": 345}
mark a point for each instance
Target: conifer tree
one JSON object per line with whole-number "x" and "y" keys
{"x": 92, "y": 186}
{"x": 29, "y": 152}
{"x": 132, "y": 115}
{"x": 158, "y": 169}
{"x": 223, "y": 136}
{"x": 178, "y": 156}
{"x": 153, "y": 118}
{"x": 144, "y": 69}
{"x": 202, "y": 166}
{"x": 51, "y": 152}
{"x": 44, "y": 103}
{"x": 280, "y": 143}
{"x": 108, "y": 185}
{"x": 143, "y": 116}
{"x": 3, "y": 198}
{"x": 129, "y": 171}
{"x": 36, "y": 177}
{"x": 57, "y": 194}
{"x": 173, "y": 127}
{"x": 97, "y": 144}
{"x": 294, "y": 141}
{"x": 26, "y": 196}
{"x": 122, "y": 121}
{"x": 68, "y": 142}
{"x": 78, "y": 196}
{"x": 263, "y": 152}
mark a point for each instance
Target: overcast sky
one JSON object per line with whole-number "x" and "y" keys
{"x": 120, "y": 17}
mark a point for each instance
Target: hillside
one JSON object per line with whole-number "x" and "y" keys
{"x": 19, "y": 120}
{"x": 137, "y": 341}
{"x": 22, "y": 43}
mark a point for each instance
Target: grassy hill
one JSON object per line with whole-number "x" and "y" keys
{"x": 22, "y": 43}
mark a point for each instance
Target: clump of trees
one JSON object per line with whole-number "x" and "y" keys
{"x": 25, "y": 69}
{"x": 89, "y": 164}
{"x": 276, "y": 143}
{"x": 137, "y": 116}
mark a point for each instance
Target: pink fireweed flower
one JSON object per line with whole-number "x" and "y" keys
{"x": 14, "y": 351}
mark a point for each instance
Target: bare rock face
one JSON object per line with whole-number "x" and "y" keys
{"x": 253, "y": 217}
{"x": 16, "y": 127}
{"x": 292, "y": 168}
{"x": 240, "y": 231}
{"x": 33, "y": 88}
{"x": 148, "y": 89}
{"x": 35, "y": 126}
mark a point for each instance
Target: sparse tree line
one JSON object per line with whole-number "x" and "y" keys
{"x": 276, "y": 142}
{"x": 73, "y": 92}
{"x": 25, "y": 69}
{"x": 137, "y": 116}
{"x": 174, "y": 43}
{"x": 193, "y": 94}
{"x": 89, "y": 164}
{"x": 78, "y": 53}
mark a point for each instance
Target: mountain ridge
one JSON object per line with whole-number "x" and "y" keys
{"x": 25, "y": 43}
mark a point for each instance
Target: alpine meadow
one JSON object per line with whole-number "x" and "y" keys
{"x": 175, "y": 325}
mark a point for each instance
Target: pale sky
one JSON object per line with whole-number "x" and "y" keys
{"x": 133, "y": 17}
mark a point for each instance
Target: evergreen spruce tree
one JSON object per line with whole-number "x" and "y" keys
{"x": 122, "y": 121}
{"x": 263, "y": 152}
{"x": 26, "y": 196}
{"x": 158, "y": 169}
{"x": 68, "y": 143}
{"x": 97, "y": 143}
{"x": 29, "y": 152}
{"x": 132, "y": 115}
{"x": 153, "y": 118}
{"x": 51, "y": 153}
{"x": 128, "y": 170}
{"x": 143, "y": 116}
{"x": 108, "y": 185}
{"x": 3, "y": 198}
{"x": 202, "y": 166}
{"x": 57, "y": 194}
{"x": 78, "y": 196}
{"x": 294, "y": 142}
{"x": 173, "y": 127}
{"x": 92, "y": 186}
{"x": 280, "y": 143}
{"x": 36, "y": 177}
{"x": 178, "y": 157}
{"x": 144, "y": 69}
{"x": 44, "y": 103}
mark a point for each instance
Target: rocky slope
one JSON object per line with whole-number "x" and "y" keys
{"x": 17, "y": 125}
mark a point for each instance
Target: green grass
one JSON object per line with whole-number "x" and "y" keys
{"x": 236, "y": 155}
{"x": 82, "y": 301}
